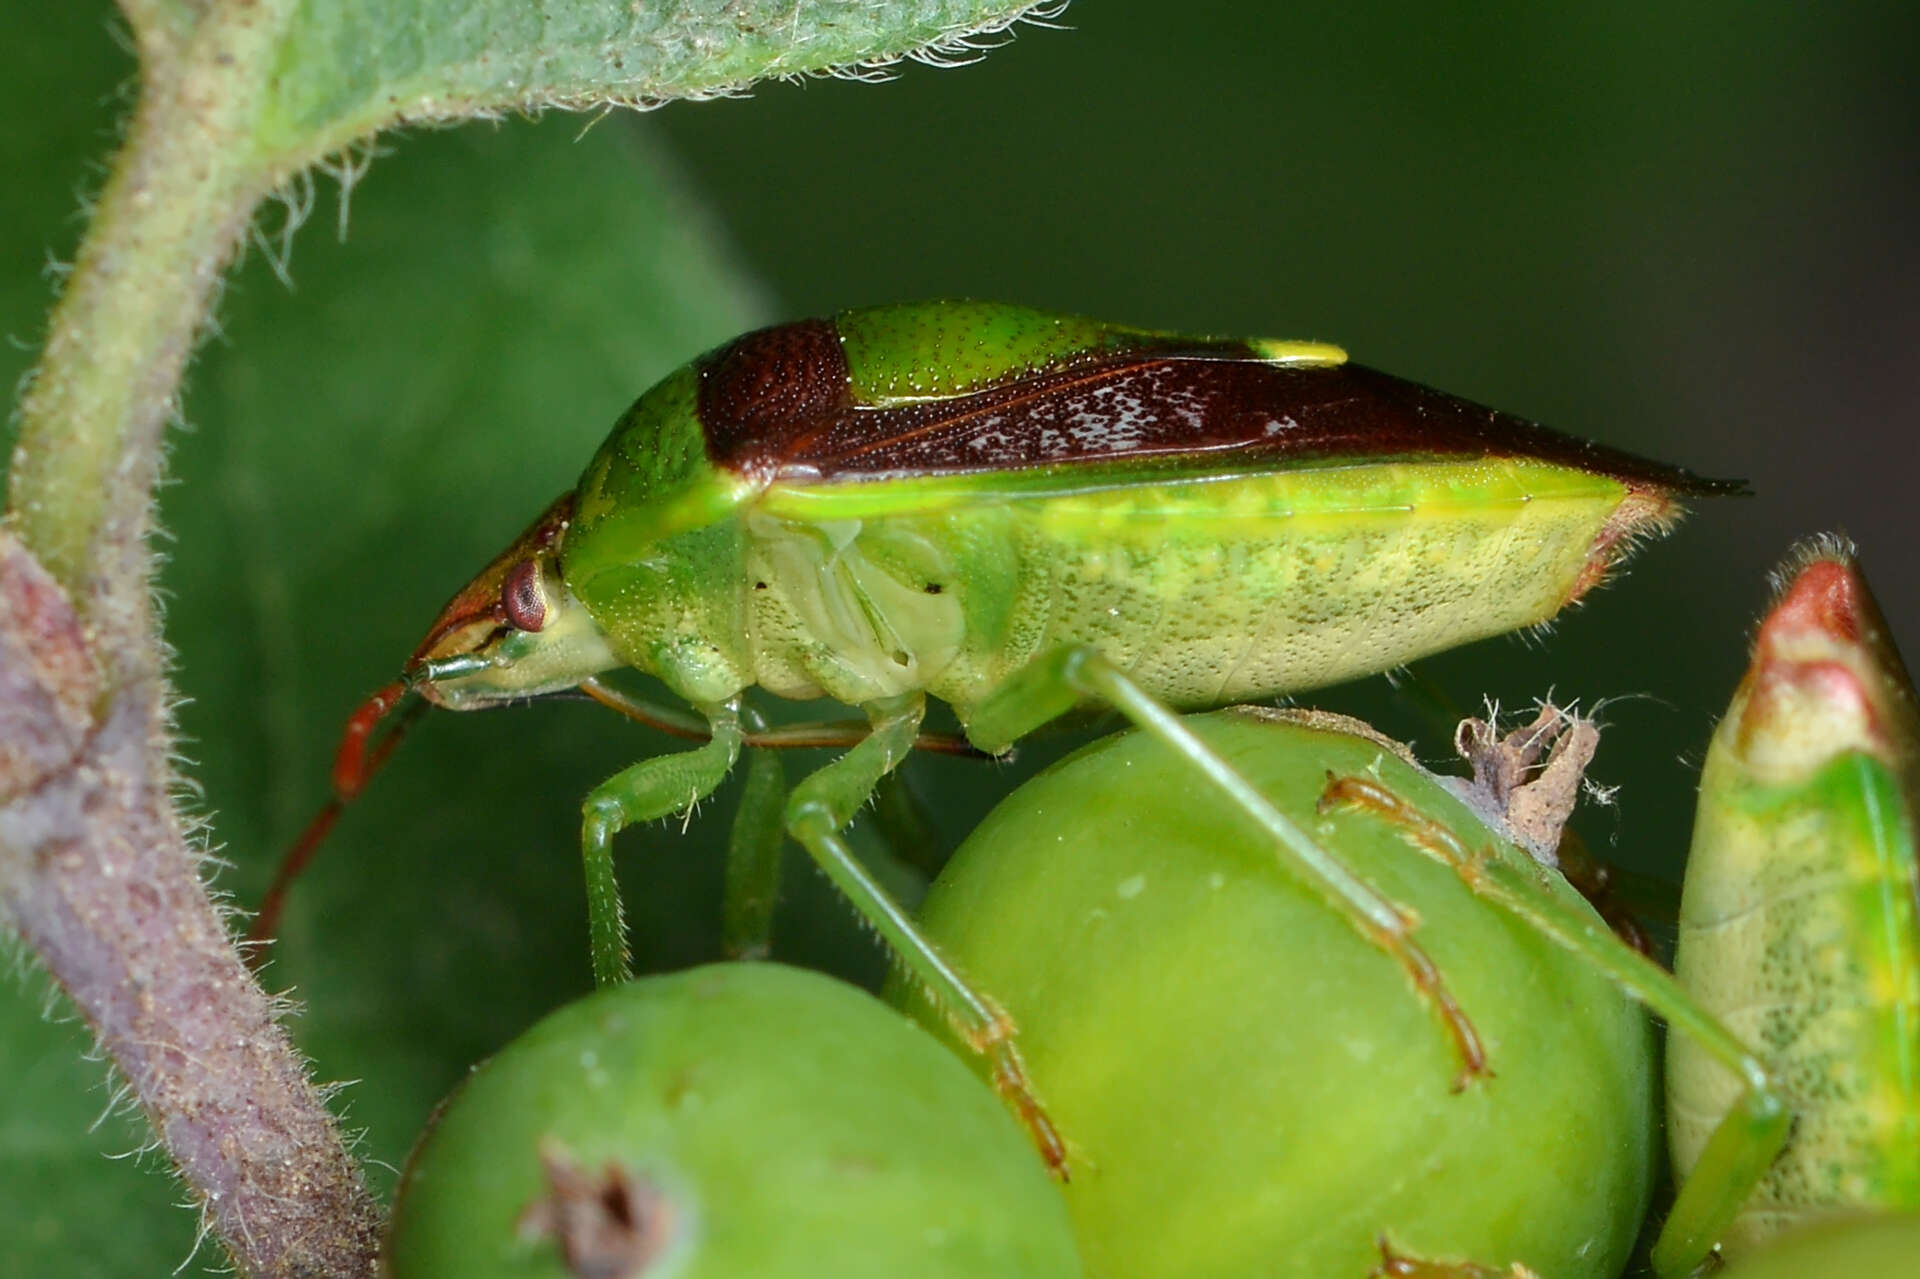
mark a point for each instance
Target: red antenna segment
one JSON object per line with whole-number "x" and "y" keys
{"x": 353, "y": 767}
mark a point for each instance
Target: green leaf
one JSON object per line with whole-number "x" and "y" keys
{"x": 347, "y": 69}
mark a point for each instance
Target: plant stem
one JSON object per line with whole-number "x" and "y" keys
{"x": 173, "y": 210}
{"x": 96, "y": 869}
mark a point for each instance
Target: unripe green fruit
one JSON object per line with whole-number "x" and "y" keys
{"x": 1248, "y": 1087}
{"x": 735, "y": 1120}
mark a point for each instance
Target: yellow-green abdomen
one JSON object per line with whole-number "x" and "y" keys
{"x": 1205, "y": 590}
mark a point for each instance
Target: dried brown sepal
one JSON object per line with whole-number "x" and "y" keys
{"x": 1527, "y": 783}
{"x": 611, "y": 1226}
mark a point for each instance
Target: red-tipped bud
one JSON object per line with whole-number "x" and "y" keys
{"x": 1825, "y": 676}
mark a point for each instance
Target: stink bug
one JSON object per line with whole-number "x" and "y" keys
{"x": 1018, "y": 513}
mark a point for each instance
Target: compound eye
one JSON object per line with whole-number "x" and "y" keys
{"x": 521, "y": 598}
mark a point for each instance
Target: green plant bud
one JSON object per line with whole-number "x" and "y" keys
{"x": 731, "y": 1121}
{"x": 1800, "y": 922}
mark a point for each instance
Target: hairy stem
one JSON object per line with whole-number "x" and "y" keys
{"x": 173, "y": 210}
{"x": 96, "y": 869}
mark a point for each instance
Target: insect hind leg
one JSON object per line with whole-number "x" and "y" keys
{"x": 1056, "y": 682}
{"x": 1753, "y": 1131}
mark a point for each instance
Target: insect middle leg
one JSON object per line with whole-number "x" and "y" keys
{"x": 652, "y": 789}
{"x": 759, "y": 834}
{"x": 817, "y": 813}
{"x": 753, "y": 858}
{"x": 1753, "y": 1131}
{"x": 1056, "y": 682}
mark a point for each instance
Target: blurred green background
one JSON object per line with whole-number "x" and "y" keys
{"x": 1687, "y": 230}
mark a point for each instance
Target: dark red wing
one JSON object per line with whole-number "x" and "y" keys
{"x": 781, "y": 409}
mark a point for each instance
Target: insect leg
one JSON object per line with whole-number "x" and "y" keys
{"x": 1062, "y": 679}
{"x": 1753, "y": 1131}
{"x": 819, "y": 810}
{"x": 652, "y": 789}
{"x": 753, "y": 858}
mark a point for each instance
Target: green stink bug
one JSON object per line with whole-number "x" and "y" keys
{"x": 1018, "y": 513}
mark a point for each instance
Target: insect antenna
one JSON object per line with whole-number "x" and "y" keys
{"x": 354, "y": 764}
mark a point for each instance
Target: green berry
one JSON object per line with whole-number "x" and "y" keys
{"x": 735, "y": 1120}
{"x": 1248, "y": 1087}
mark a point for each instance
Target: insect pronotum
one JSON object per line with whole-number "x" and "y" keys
{"x": 1018, "y": 513}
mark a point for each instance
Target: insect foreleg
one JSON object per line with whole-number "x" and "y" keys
{"x": 819, "y": 810}
{"x": 1753, "y": 1131}
{"x": 652, "y": 789}
{"x": 1056, "y": 682}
